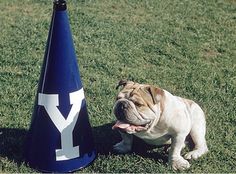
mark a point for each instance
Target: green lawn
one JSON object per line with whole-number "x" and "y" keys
{"x": 185, "y": 47}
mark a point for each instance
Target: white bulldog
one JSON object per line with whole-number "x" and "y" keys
{"x": 159, "y": 118}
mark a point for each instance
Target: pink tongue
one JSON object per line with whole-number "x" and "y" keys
{"x": 121, "y": 125}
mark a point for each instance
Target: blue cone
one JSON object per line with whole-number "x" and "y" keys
{"x": 60, "y": 136}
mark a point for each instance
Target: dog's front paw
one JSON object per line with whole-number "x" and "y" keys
{"x": 122, "y": 147}
{"x": 179, "y": 164}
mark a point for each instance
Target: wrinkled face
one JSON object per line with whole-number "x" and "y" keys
{"x": 136, "y": 107}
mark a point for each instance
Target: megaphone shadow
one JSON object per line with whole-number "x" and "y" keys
{"x": 11, "y": 144}
{"x": 105, "y": 138}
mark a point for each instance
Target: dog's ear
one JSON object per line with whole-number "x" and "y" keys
{"x": 122, "y": 83}
{"x": 156, "y": 93}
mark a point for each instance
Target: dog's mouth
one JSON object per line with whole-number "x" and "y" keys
{"x": 129, "y": 128}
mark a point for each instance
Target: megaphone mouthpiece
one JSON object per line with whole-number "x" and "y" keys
{"x": 59, "y": 5}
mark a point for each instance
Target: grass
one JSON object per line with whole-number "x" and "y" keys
{"x": 186, "y": 47}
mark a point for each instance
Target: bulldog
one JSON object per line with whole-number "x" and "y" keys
{"x": 158, "y": 117}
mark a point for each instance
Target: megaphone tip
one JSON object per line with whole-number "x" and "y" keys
{"x": 59, "y": 5}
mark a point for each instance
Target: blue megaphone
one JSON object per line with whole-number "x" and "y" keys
{"x": 60, "y": 136}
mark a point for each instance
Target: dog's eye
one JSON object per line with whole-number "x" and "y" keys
{"x": 138, "y": 103}
{"x": 118, "y": 97}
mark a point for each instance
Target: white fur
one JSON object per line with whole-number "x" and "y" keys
{"x": 179, "y": 118}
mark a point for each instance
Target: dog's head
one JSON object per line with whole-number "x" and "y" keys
{"x": 137, "y": 106}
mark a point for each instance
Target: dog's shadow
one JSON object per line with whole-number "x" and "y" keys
{"x": 105, "y": 138}
{"x": 12, "y": 144}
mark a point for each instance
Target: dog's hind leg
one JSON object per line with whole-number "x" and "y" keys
{"x": 197, "y": 133}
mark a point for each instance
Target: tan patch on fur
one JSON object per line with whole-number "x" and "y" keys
{"x": 188, "y": 102}
{"x": 142, "y": 91}
{"x": 161, "y": 94}
{"x": 162, "y": 106}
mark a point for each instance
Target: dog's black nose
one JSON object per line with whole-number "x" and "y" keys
{"x": 120, "y": 110}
